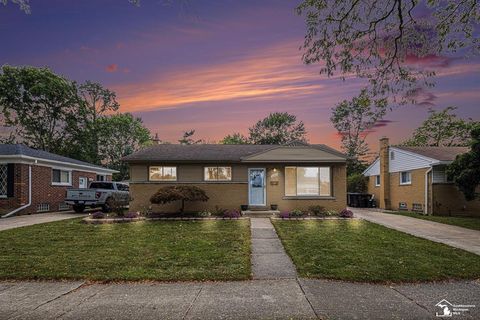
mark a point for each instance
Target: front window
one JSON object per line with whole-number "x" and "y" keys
{"x": 307, "y": 181}
{"x": 61, "y": 177}
{"x": 218, "y": 173}
{"x": 163, "y": 173}
{"x": 405, "y": 177}
{"x": 377, "y": 181}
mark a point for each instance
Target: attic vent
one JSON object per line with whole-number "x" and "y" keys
{"x": 402, "y": 206}
{"x": 417, "y": 207}
{"x": 392, "y": 155}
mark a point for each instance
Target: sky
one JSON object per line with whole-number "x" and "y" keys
{"x": 213, "y": 66}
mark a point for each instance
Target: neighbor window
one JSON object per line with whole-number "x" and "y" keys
{"x": 61, "y": 177}
{"x": 377, "y": 181}
{"x": 307, "y": 181}
{"x": 101, "y": 177}
{"x": 3, "y": 180}
{"x": 218, "y": 173}
{"x": 163, "y": 173}
{"x": 405, "y": 177}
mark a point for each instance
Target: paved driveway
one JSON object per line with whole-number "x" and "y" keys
{"x": 454, "y": 236}
{"x": 28, "y": 220}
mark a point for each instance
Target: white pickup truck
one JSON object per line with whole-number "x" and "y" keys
{"x": 104, "y": 194}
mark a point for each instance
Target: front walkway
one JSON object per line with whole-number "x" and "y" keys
{"x": 28, "y": 220}
{"x": 458, "y": 237}
{"x": 269, "y": 260}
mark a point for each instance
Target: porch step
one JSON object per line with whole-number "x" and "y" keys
{"x": 260, "y": 213}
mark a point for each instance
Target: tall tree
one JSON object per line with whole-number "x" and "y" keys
{"x": 277, "y": 128}
{"x": 120, "y": 135}
{"x": 442, "y": 128}
{"x": 187, "y": 138}
{"x": 41, "y": 107}
{"x": 376, "y": 40}
{"x": 23, "y": 4}
{"x": 353, "y": 120}
{"x": 234, "y": 138}
{"x": 465, "y": 170}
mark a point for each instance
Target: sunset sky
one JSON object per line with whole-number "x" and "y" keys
{"x": 213, "y": 66}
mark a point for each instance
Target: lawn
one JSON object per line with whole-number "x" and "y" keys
{"x": 166, "y": 250}
{"x": 357, "y": 250}
{"x": 465, "y": 222}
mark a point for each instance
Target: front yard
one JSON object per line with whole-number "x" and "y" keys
{"x": 173, "y": 250}
{"x": 465, "y": 222}
{"x": 357, "y": 250}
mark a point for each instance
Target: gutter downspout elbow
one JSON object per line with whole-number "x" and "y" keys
{"x": 425, "y": 209}
{"x": 11, "y": 213}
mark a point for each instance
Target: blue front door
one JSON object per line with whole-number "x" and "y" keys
{"x": 256, "y": 186}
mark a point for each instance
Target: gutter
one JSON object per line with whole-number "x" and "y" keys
{"x": 425, "y": 209}
{"x": 11, "y": 213}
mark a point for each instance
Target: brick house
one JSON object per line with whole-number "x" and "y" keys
{"x": 293, "y": 176}
{"x": 414, "y": 179}
{"x": 34, "y": 181}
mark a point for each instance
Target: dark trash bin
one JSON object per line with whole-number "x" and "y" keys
{"x": 359, "y": 200}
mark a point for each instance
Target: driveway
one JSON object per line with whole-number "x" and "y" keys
{"x": 28, "y": 220}
{"x": 458, "y": 237}
{"x": 256, "y": 299}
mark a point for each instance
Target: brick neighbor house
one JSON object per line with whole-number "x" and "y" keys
{"x": 34, "y": 181}
{"x": 414, "y": 179}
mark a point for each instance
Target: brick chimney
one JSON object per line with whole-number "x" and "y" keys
{"x": 384, "y": 174}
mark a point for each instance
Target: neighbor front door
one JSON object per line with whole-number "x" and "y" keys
{"x": 82, "y": 182}
{"x": 256, "y": 186}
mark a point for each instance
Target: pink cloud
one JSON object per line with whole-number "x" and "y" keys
{"x": 111, "y": 67}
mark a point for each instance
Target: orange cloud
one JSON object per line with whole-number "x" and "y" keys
{"x": 111, "y": 67}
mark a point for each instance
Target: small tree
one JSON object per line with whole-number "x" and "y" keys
{"x": 234, "y": 138}
{"x": 357, "y": 182}
{"x": 179, "y": 193}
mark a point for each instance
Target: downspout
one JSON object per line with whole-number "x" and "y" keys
{"x": 29, "y": 195}
{"x": 425, "y": 209}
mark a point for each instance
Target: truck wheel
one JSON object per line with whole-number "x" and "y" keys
{"x": 78, "y": 208}
{"x": 107, "y": 207}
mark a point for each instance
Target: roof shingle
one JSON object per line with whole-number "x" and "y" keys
{"x": 437, "y": 153}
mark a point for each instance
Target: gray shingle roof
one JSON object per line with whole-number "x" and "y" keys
{"x": 205, "y": 152}
{"x": 437, "y": 153}
{"x": 20, "y": 149}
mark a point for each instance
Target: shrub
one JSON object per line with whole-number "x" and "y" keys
{"x": 330, "y": 213}
{"x": 232, "y": 214}
{"x": 179, "y": 193}
{"x": 284, "y": 214}
{"x": 296, "y": 213}
{"x": 316, "y": 210}
{"x": 131, "y": 215}
{"x": 346, "y": 213}
{"x": 98, "y": 215}
{"x": 204, "y": 213}
{"x": 219, "y": 212}
{"x": 357, "y": 182}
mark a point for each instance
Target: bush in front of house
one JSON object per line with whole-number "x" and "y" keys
{"x": 203, "y": 214}
{"x": 284, "y": 215}
{"x": 179, "y": 193}
{"x": 98, "y": 215}
{"x": 232, "y": 214}
{"x": 296, "y": 213}
{"x": 330, "y": 213}
{"x": 219, "y": 212}
{"x": 131, "y": 215}
{"x": 316, "y": 210}
{"x": 345, "y": 213}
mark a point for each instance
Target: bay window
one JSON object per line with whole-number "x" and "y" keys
{"x": 307, "y": 181}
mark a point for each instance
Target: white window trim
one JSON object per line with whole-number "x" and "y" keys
{"x": 377, "y": 181}
{"x": 64, "y": 184}
{"x": 408, "y": 182}
{"x": 307, "y": 195}
{"x": 213, "y": 180}
{"x": 161, "y": 180}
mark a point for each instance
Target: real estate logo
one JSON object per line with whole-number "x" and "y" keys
{"x": 447, "y": 310}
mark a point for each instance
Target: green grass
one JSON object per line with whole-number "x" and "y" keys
{"x": 465, "y": 222}
{"x": 357, "y": 250}
{"x": 166, "y": 250}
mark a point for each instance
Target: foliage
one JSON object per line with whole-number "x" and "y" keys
{"x": 204, "y": 213}
{"x": 316, "y": 210}
{"x": 118, "y": 136}
{"x": 296, "y": 213}
{"x": 187, "y": 138}
{"x": 388, "y": 43}
{"x": 179, "y": 193}
{"x": 345, "y": 213}
{"x": 442, "y": 128}
{"x": 330, "y": 213}
{"x": 357, "y": 183}
{"x": 98, "y": 215}
{"x": 353, "y": 120}
{"x": 465, "y": 170}
{"x": 232, "y": 214}
{"x": 131, "y": 215}
{"x": 219, "y": 212}
{"x": 277, "y": 128}
{"x": 234, "y": 138}
{"x": 41, "y": 107}
{"x": 284, "y": 215}
{"x": 23, "y": 4}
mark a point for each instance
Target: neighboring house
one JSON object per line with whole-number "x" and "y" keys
{"x": 414, "y": 179}
{"x": 291, "y": 176}
{"x": 34, "y": 181}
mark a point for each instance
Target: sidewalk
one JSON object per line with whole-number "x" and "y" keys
{"x": 458, "y": 237}
{"x": 28, "y": 220}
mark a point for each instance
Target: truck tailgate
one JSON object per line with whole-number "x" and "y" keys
{"x": 81, "y": 194}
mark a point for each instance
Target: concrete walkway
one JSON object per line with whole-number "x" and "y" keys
{"x": 257, "y": 299}
{"x": 28, "y": 220}
{"x": 269, "y": 259}
{"x": 458, "y": 237}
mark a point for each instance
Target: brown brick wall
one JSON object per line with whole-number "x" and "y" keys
{"x": 448, "y": 200}
{"x": 372, "y": 189}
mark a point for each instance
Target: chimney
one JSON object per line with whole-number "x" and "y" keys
{"x": 384, "y": 174}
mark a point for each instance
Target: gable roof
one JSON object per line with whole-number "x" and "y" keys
{"x": 437, "y": 153}
{"x": 217, "y": 152}
{"x": 23, "y": 152}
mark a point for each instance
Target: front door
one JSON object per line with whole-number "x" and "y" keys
{"x": 82, "y": 182}
{"x": 256, "y": 187}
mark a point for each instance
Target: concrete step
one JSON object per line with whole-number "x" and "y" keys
{"x": 260, "y": 213}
